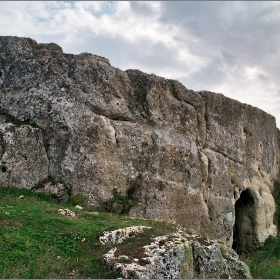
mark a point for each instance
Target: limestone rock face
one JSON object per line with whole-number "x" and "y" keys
{"x": 197, "y": 158}
{"x": 23, "y": 158}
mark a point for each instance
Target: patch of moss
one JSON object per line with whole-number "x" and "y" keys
{"x": 78, "y": 199}
{"x": 207, "y": 119}
{"x": 16, "y": 122}
{"x": 246, "y": 130}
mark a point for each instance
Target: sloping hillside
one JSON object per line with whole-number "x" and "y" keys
{"x": 37, "y": 241}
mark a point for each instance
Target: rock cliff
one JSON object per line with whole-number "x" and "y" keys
{"x": 79, "y": 125}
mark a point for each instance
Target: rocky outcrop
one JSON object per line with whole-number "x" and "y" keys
{"x": 198, "y": 158}
{"x": 119, "y": 235}
{"x": 180, "y": 256}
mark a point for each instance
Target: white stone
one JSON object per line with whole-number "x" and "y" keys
{"x": 119, "y": 235}
{"x": 66, "y": 212}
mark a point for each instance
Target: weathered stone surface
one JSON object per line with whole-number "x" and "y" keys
{"x": 243, "y": 161}
{"x": 119, "y": 235}
{"x": 55, "y": 189}
{"x": 181, "y": 256}
{"x": 216, "y": 260}
{"x": 185, "y": 156}
{"x": 23, "y": 159}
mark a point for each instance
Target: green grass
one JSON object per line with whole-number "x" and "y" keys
{"x": 264, "y": 263}
{"x": 37, "y": 242}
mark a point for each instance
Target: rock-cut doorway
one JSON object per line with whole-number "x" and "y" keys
{"x": 245, "y": 222}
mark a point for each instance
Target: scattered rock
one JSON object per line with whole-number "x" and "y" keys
{"x": 67, "y": 212}
{"x": 79, "y": 207}
{"x": 21, "y": 197}
{"x": 73, "y": 274}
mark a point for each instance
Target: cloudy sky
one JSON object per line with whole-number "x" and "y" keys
{"x": 227, "y": 47}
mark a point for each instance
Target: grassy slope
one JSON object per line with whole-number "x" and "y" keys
{"x": 37, "y": 242}
{"x": 264, "y": 263}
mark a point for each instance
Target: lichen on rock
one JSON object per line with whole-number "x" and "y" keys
{"x": 119, "y": 235}
{"x": 181, "y": 256}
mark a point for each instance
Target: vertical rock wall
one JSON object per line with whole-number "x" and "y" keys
{"x": 24, "y": 161}
{"x": 185, "y": 156}
{"x": 243, "y": 155}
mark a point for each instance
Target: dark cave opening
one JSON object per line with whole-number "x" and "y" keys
{"x": 243, "y": 229}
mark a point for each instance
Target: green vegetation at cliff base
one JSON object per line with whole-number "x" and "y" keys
{"x": 37, "y": 242}
{"x": 264, "y": 263}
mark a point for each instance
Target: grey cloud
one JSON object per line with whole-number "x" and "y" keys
{"x": 207, "y": 77}
{"x": 243, "y": 34}
{"x": 238, "y": 30}
{"x": 141, "y": 8}
{"x": 121, "y": 52}
{"x": 229, "y": 58}
{"x": 158, "y": 56}
{"x": 262, "y": 77}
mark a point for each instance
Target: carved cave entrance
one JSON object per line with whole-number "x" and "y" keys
{"x": 245, "y": 221}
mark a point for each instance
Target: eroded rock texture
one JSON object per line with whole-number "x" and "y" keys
{"x": 185, "y": 156}
{"x": 180, "y": 256}
{"x": 23, "y": 159}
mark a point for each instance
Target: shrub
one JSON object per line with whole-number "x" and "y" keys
{"x": 120, "y": 204}
{"x": 78, "y": 199}
{"x": 276, "y": 195}
{"x": 264, "y": 261}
